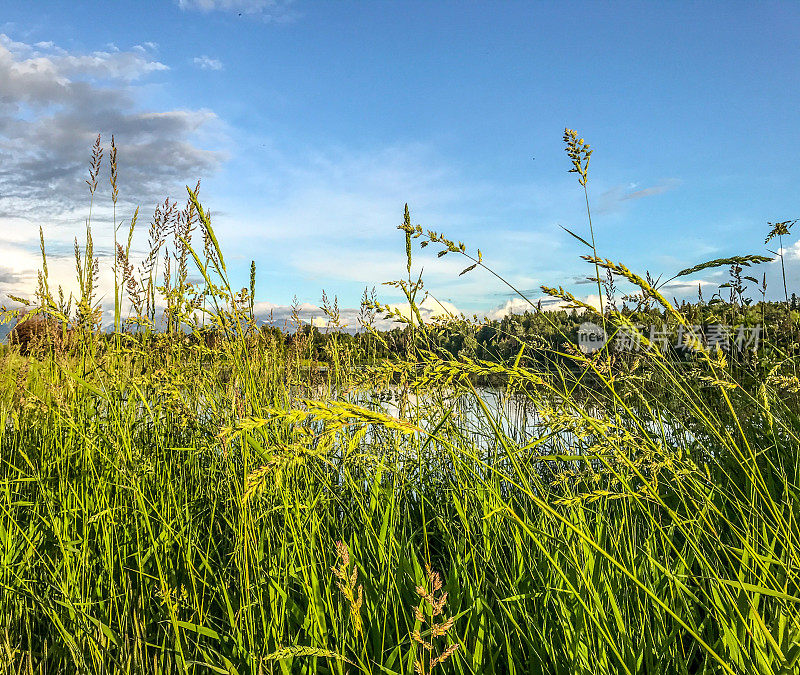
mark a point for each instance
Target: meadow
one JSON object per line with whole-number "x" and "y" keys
{"x": 192, "y": 492}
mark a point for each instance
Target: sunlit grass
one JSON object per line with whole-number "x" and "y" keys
{"x": 181, "y": 500}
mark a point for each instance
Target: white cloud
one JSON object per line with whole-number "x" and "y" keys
{"x": 430, "y": 308}
{"x": 52, "y": 107}
{"x": 520, "y": 306}
{"x": 142, "y": 48}
{"x": 682, "y": 287}
{"x": 207, "y": 63}
{"x": 47, "y": 59}
{"x": 269, "y": 10}
{"x": 789, "y": 253}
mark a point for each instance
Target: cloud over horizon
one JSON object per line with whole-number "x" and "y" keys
{"x": 53, "y": 103}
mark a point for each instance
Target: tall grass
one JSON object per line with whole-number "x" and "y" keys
{"x": 177, "y": 504}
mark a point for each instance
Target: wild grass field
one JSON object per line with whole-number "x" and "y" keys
{"x": 198, "y": 495}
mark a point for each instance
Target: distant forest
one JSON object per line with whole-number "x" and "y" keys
{"x": 735, "y": 326}
{"x": 556, "y": 331}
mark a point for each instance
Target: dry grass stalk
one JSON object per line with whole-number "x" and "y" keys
{"x": 346, "y": 581}
{"x": 435, "y": 607}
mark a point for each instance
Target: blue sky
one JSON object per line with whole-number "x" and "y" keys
{"x": 312, "y": 123}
